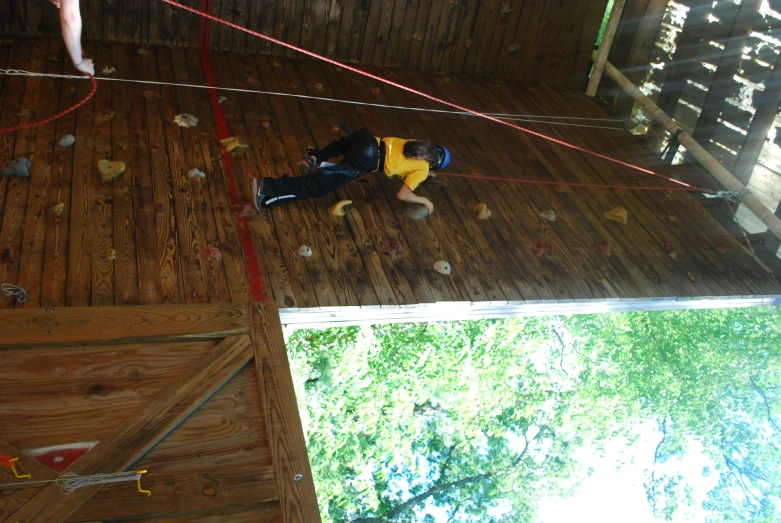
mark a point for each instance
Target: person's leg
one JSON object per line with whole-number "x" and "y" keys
{"x": 316, "y": 185}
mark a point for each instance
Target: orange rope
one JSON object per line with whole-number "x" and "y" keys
{"x": 56, "y": 116}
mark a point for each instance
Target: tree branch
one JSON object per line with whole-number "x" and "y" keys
{"x": 767, "y": 404}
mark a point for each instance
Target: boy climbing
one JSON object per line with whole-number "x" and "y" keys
{"x": 410, "y": 160}
{"x": 70, "y": 19}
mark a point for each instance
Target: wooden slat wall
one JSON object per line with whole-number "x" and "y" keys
{"x": 162, "y": 253}
{"x": 548, "y": 41}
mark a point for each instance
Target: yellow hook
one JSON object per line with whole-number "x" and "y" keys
{"x": 142, "y": 491}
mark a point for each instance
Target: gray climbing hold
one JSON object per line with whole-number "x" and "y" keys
{"x": 67, "y": 140}
{"x": 417, "y": 211}
{"x": 19, "y": 167}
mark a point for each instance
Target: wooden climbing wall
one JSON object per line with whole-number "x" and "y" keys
{"x": 156, "y": 223}
{"x": 200, "y": 397}
{"x": 548, "y": 41}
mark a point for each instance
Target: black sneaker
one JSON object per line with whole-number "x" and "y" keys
{"x": 257, "y": 193}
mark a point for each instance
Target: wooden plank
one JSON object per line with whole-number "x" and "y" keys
{"x": 62, "y": 396}
{"x": 761, "y": 123}
{"x": 126, "y": 275}
{"x": 31, "y": 260}
{"x": 332, "y": 29}
{"x": 295, "y": 485}
{"x": 100, "y": 194}
{"x": 418, "y": 34}
{"x": 190, "y": 246}
{"x": 728, "y": 66}
{"x": 102, "y": 324}
{"x": 359, "y": 30}
{"x": 142, "y": 431}
{"x": 25, "y": 465}
{"x": 390, "y": 57}
{"x": 267, "y": 512}
{"x": 378, "y": 44}
{"x": 17, "y": 188}
{"x": 77, "y": 289}
{"x": 169, "y": 268}
{"x": 220, "y": 217}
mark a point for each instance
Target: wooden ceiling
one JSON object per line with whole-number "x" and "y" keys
{"x": 542, "y": 41}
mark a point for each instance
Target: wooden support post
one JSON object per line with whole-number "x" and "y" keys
{"x": 142, "y": 431}
{"x": 764, "y": 214}
{"x": 295, "y": 485}
{"x": 722, "y": 81}
{"x": 604, "y": 47}
{"x": 765, "y": 114}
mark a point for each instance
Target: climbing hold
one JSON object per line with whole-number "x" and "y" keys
{"x": 222, "y": 100}
{"x": 543, "y": 247}
{"x": 561, "y": 188}
{"x": 8, "y": 256}
{"x": 159, "y": 207}
{"x": 142, "y": 51}
{"x": 249, "y": 79}
{"x": 153, "y": 144}
{"x": 58, "y": 208}
{"x": 548, "y": 215}
{"x": 147, "y": 94}
{"x": 232, "y": 143}
{"x": 616, "y": 190}
{"x": 213, "y": 254}
{"x": 722, "y": 248}
{"x": 24, "y": 113}
{"x": 70, "y": 90}
{"x": 602, "y": 248}
{"x": 691, "y": 276}
{"x": 196, "y": 173}
{"x": 248, "y": 210}
{"x": 618, "y": 214}
{"x": 319, "y": 86}
{"x": 112, "y": 254}
{"x": 185, "y": 120}
{"x": 67, "y": 140}
{"x": 514, "y": 49}
{"x": 338, "y": 208}
{"x": 668, "y": 247}
{"x": 266, "y": 125}
{"x": 108, "y": 116}
{"x": 109, "y": 70}
{"x": 417, "y": 211}
{"x": 395, "y": 249}
{"x": 19, "y": 167}
{"x": 442, "y": 267}
{"x": 109, "y": 170}
{"x": 482, "y": 211}
{"x": 304, "y": 251}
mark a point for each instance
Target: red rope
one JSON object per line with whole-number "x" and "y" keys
{"x": 430, "y": 97}
{"x": 56, "y": 116}
{"x": 574, "y": 184}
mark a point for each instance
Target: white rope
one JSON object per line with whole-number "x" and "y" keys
{"x": 70, "y": 482}
{"x": 531, "y": 118}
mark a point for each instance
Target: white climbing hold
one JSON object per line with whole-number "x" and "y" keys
{"x": 19, "y": 167}
{"x": 67, "y": 140}
{"x": 196, "y": 173}
{"x": 186, "y": 120}
{"x": 442, "y": 267}
{"x": 305, "y": 251}
{"x": 222, "y": 100}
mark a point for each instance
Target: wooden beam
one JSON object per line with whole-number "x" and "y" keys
{"x": 763, "y": 119}
{"x": 722, "y": 81}
{"x": 726, "y": 178}
{"x": 685, "y": 56}
{"x": 142, "y": 431}
{"x": 297, "y": 497}
{"x": 25, "y": 465}
{"x": 604, "y": 47}
{"x": 90, "y": 325}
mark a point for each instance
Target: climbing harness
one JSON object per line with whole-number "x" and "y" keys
{"x": 11, "y": 290}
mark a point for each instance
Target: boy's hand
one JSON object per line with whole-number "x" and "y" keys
{"x": 86, "y": 66}
{"x": 55, "y": 3}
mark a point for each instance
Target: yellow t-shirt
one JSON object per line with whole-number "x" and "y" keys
{"x": 413, "y": 172}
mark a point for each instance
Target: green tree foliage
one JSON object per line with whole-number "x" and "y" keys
{"x": 482, "y": 419}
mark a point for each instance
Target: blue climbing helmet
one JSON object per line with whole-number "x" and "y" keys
{"x": 444, "y": 158}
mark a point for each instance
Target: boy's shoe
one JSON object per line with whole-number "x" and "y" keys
{"x": 257, "y": 193}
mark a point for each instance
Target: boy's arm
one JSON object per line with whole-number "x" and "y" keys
{"x": 405, "y": 194}
{"x": 70, "y": 18}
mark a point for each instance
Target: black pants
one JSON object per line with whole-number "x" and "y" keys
{"x": 361, "y": 154}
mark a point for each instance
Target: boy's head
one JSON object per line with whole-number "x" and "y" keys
{"x": 436, "y": 155}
